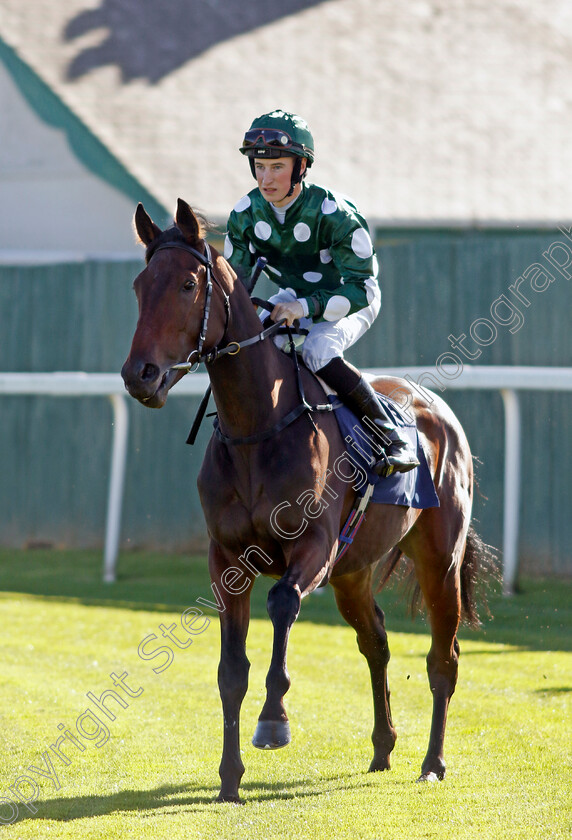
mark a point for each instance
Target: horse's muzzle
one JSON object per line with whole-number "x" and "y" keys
{"x": 147, "y": 383}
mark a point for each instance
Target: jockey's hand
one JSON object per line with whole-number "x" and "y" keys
{"x": 292, "y": 310}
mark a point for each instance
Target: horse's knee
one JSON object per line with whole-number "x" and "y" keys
{"x": 233, "y": 677}
{"x": 283, "y": 602}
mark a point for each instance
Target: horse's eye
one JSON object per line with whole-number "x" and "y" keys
{"x": 189, "y": 285}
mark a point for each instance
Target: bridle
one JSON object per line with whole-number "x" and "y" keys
{"x": 205, "y": 260}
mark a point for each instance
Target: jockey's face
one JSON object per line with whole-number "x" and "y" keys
{"x": 274, "y": 177}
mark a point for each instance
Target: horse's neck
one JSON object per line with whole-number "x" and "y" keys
{"x": 253, "y": 387}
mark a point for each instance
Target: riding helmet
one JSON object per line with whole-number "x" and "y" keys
{"x": 280, "y": 134}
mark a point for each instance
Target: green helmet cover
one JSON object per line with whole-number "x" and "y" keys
{"x": 295, "y": 127}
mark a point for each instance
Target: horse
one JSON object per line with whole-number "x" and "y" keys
{"x": 275, "y": 496}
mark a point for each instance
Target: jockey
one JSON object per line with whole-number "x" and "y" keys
{"x": 321, "y": 256}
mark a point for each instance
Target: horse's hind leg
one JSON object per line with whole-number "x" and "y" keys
{"x": 442, "y": 667}
{"x": 438, "y": 573}
{"x": 356, "y": 604}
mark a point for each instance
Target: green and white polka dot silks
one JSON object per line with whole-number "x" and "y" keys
{"x": 322, "y": 252}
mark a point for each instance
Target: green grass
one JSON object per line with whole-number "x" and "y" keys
{"x": 64, "y": 632}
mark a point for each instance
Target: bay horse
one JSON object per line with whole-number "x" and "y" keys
{"x": 270, "y": 455}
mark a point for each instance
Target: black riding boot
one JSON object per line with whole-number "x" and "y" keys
{"x": 397, "y": 453}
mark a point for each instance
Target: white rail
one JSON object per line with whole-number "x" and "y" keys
{"x": 507, "y": 380}
{"x": 75, "y": 384}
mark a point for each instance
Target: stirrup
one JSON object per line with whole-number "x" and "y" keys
{"x": 386, "y": 465}
{"x": 389, "y": 462}
{"x": 383, "y": 467}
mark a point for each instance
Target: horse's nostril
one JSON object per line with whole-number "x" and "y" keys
{"x": 149, "y": 373}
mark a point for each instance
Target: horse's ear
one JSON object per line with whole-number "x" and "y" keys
{"x": 188, "y": 223}
{"x": 146, "y": 228}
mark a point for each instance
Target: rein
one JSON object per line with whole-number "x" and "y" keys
{"x": 233, "y": 348}
{"x": 303, "y": 406}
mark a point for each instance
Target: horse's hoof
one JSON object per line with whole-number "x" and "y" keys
{"x": 271, "y": 734}
{"x": 379, "y": 764}
{"x": 429, "y": 777}
{"x": 235, "y": 800}
{"x": 433, "y": 770}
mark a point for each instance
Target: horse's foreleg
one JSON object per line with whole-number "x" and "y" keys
{"x": 233, "y": 683}
{"x": 232, "y": 678}
{"x": 273, "y": 729}
{"x": 357, "y": 606}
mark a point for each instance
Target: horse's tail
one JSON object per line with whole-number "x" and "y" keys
{"x": 478, "y": 567}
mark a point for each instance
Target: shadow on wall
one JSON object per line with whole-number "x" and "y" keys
{"x": 147, "y": 39}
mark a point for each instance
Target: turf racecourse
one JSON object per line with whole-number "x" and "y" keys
{"x": 152, "y": 771}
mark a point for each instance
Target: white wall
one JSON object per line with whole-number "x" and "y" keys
{"x": 49, "y": 202}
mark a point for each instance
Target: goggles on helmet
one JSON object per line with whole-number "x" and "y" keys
{"x": 268, "y": 137}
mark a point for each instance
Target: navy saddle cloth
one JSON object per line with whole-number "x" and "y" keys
{"x": 414, "y": 488}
